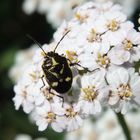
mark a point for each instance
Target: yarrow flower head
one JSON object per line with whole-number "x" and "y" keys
{"x": 55, "y": 10}
{"x": 124, "y": 89}
{"x": 106, "y": 127}
{"x": 97, "y": 49}
{"x": 23, "y": 57}
{"x": 59, "y": 10}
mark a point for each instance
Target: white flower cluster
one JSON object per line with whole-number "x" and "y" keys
{"x": 139, "y": 23}
{"x": 55, "y": 10}
{"x": 107, "y": 127}
{"x": 23, "y": 57}
{"x": 27, "y": 137}
{"x": 103, "y": 47}
{"x": 58, "y": 10}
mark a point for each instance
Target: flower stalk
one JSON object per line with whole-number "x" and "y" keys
{"x": 124, "y": 126}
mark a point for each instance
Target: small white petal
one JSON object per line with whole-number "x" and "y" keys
{"x": 118, "y": 55}
{"x": 97, "y": 106}
{"x": 43, "y": 126}
{"x": 115, "y": 77}
{"x": 56, "y": 127}
{"x": 113, "y": 99}
{"x": 28, "y": 107}
{"x": 18, "y": 101}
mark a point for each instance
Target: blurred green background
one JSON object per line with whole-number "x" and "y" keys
{"x": 14, "y": 25}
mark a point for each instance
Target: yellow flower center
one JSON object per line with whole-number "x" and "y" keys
{"x": 81, "y": 18}
{"x": 33, "y": 76}
{"x": 113, "y": 25}
{"x": 103, "y": 60}
{"x": 127, "y": 44}
{"x": 24, "y": 94}
{"x": 72, "y": 56}
{"x": 93, "y": 36}
{"x": 70, "y": 113}
{"x": 47, "y": 94}
{"x": 50, "y": 117}
{"x": 89, "y": 93}
{"x": 125, "y": 91}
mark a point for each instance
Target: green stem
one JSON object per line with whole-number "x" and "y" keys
{"x": 124, "y": 126}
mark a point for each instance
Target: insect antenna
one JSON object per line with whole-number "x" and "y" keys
{"x": 61, "y": 40}
{"x": 39, "y": 45}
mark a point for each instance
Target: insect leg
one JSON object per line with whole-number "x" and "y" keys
{"x": 42, "y": 81}
{"x": 56, "y": 95}
{"x": 73, "y": 64}
{"x": 86, "y": 69}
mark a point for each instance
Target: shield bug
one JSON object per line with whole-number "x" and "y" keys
{"x": 57, "y": 72}
{"x": 57, "y": 69}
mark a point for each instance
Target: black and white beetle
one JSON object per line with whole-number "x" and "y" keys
{"x": 56, "y": 69}
{"x": 57, "y": 72}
